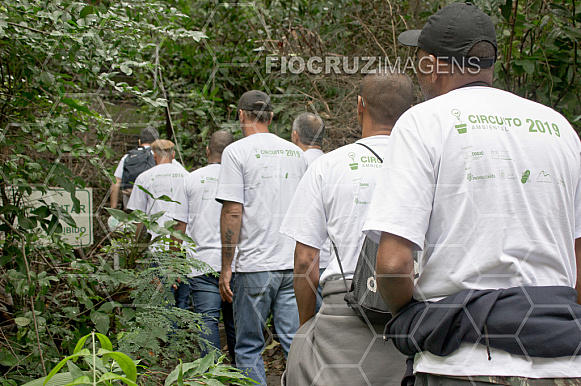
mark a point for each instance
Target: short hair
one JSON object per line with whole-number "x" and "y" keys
{"x": 148, "y": 135}
{"x": 310, "y": 128}
{"x": 258, "y": 115}
{"x": 387, "y": 94}
{"x": 163, "y": 147}
{"x": 482, "y": 49}
{"x": 218, "y": 142}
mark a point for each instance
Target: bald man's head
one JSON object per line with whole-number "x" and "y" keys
{"x": 218, "y": 142}
{"x": 387, "y": 95}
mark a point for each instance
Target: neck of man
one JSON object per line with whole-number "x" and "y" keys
{"x": 369, "y": 128}
{"x": 254, "y": 128}
{"x": 214, "y": 160}
{"x": 450, "y": 83}
{"x": 165, "y": 160}
{"x": 307, "y": 147}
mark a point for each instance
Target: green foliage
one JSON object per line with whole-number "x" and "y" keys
{"x": 539, "y": 52}
{"x": 104, "y": 366}
{"x": 181, "y": 65}
{"x": 101, "y": 365}
{"x": 58, "y": 61}
{"x": 207, "y": 371}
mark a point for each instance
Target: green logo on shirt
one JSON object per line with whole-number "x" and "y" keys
{"x": 354, "y": 165}
{"x": 525, "y": 176}
{"x": 460, "y": 127}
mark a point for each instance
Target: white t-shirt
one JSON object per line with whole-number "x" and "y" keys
{"x": 488, "y": 185}
{"x": 163, "y": 179}
{"x": 326, "y": 252}
{"x": 204, "y": 217}
{"x": 262, "y": 172}
{"x": 312, "y": 154}
{"x": 332, "y": 200}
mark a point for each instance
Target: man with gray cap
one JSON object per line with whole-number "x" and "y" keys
{"x": 258, "y": 178}
{"x": 488, "y": 185}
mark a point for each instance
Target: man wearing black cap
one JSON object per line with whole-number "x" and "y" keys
{"x": 258, "y": 178}
{"x": 488, "y": 185}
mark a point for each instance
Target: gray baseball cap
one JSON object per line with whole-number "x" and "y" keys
{"x": 254, "y": 100}
{"x": 451, "y": 32}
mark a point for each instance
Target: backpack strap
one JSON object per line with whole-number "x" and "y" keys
{"x": 371, "y": 150}
{"x": 340, "y": 265}
{"x": 332, "y": 242}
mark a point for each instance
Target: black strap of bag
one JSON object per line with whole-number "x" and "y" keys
{"x": 367, "y": 304}
{"x": 340, "y": 265}
{"x": 371, "y": 150}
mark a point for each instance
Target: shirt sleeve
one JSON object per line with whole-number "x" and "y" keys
{"x": 231, "y": 180}
{"x": 119, "y": 171}
{"x": 179, "y": 210}
{"x": 138, "y": 198}
{"x": 189, "y": 196}
{"x": 404, "y": 191}
{"x": 305, "y": 220}
{"x": 578, "y": 207}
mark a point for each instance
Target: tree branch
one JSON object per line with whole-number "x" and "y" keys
{"x": 28, "y": 28}
{"x": 23, "y": 237}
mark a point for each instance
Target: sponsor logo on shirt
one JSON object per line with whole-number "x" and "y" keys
{"x": 525, "y": 176}
{"x": 472, "y": 177}
{"x": 544, "y": 177}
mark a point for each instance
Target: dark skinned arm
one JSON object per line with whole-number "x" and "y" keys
{"x": 395, "y": 271}
{"x": 230, "y": 224}
{"x": 306, "y": 280}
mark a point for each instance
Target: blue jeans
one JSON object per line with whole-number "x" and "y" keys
{"x": 182, "y": 295}
{"x": 207, "y": 301}
{"x": 255, "y": 295}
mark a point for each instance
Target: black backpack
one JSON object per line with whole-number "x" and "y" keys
{"x": 136, "y": 162}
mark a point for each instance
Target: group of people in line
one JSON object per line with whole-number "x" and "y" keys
{"x": 487, "y": 185}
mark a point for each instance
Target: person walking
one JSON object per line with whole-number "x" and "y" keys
{"x": 488, "y": 185}
{"x": 258, "y": 178}
{"x": 204, "y": 229}
{"x": 307, "y": 133}
{"x": 334, "y": 347}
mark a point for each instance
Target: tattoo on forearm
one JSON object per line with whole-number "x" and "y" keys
{"x": 228, "y": 236}
{"x": 229, "y": 250}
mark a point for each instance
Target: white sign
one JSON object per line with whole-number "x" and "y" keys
{"x": 82, "y": 234}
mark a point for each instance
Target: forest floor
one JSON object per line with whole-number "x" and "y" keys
{"x": 273, "y": 356}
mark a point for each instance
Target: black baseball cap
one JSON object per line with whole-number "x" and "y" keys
{"x": 451, "y": 32}
{"x": 254, "y": 100}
